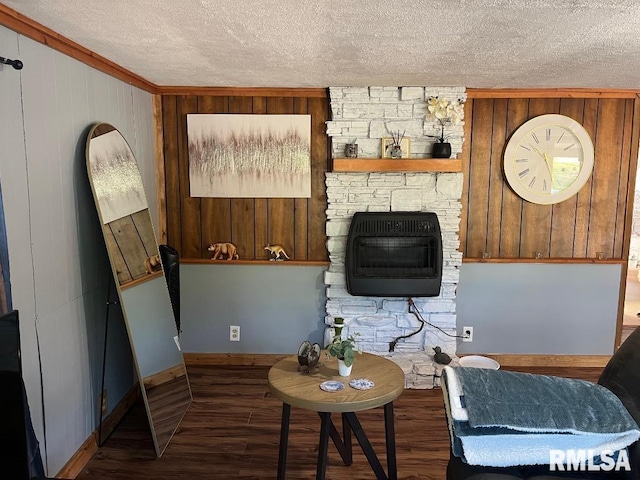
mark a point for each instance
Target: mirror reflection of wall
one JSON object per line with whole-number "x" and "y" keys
{"x": 137, "y": 268}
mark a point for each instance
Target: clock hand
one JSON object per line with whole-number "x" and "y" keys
{"x": 537, "y": 151}
{"x": 546, "y": 160}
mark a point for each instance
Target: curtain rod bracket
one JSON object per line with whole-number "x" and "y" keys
{"x": 17, "y": 64}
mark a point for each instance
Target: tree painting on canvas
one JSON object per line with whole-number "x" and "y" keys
{"x": 115, "y": 176}
{"x": 249, "y": 156}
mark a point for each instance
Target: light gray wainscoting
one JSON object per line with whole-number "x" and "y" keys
{"x": 275, "y": 306}
{"x": 531, "y": 308}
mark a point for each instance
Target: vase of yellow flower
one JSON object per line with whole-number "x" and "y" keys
{"x": 445, "y": 112}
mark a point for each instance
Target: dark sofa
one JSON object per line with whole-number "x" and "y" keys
{"x": 622, "y": 377}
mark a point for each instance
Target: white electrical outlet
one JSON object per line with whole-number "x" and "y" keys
{"x": 467, "y": 334}
{"x": 234, "y": 333}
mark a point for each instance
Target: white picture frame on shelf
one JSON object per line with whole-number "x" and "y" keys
{"x": 405, "y": 144}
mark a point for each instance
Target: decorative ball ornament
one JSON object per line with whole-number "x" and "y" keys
{"x": 548, "y": 159}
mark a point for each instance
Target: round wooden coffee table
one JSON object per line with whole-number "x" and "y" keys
{"x": 303, "y": 391}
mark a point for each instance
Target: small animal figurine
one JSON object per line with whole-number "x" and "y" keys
{"x": 276, "y": 251}
{"x": 152, "y": 264}
{"x": 223, "y": 250}
{"x": 308, "y": 356}
{"x": 440, "y": 357}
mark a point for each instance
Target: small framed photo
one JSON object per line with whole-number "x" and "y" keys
{"x": 405, "y": 144}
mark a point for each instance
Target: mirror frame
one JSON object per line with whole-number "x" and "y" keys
{"x": 137, "y": 270}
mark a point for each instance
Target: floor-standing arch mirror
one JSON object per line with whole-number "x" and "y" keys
{"x": 133, "y": 252}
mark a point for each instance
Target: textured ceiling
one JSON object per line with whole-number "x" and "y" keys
{"x": 293, "y": 43}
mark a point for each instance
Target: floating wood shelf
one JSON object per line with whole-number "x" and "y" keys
{"x": 397, "y": 165}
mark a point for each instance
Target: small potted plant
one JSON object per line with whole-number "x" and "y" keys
{"x": 445, "y": 112}
{"x": 345, "y": 351}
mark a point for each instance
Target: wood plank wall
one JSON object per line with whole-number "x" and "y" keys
{"x": 496, "y": 220}
{"x": 250, "y": 223}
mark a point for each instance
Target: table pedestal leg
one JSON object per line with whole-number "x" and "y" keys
{"x": 346, "y": 438}
{"x": 390, "y": 434}
{"x": 323, "y": 445}
{"x": 358, "y": 431}
{"x": 343, "y": 445}
{"x": 284, "y": 439}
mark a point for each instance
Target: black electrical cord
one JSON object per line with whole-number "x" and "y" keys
{"x": 423, "y": 322}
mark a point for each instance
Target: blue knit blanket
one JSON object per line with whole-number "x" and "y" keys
{"x": 500, "y": 418}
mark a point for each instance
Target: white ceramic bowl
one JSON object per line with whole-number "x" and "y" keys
{"x": 478, "y": 361}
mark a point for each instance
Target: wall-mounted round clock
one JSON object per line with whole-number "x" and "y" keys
{"x": 548, "y": 159}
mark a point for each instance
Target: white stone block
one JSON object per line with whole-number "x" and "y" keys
{"x": 434, "y": 306}
{"x": 354, "y": 91}
{"x": 338, "y": 123}
{"x": 352, "y": 178}
{"x": 387, "y": 96}
{"x": 334, "y": 278}
{"x": 449, "y": 185}
{"x": 350, "y": 309}
{"x": 397, "y": 306}
{"x": 354, "y": 133}
{"x": 336, "y": 244}
{"x": 334, "y": 292}
{"x": 443, "y": 320}
{"x": 435, "y": 338}
{"x": 337, "y": 194}
{"x": 336, "y": 269}
{"x": 425, "y": 368}
{"x": 411, "y": 93}
{"x": 368, "y": 148}
{"x": 382, "y": 128}
{"x": 405, "y": 111}
{"x": 375, "y": 348}
{"x": 356, "y": 110}
{"x": 405, "y": 363}
{"x": 425, "y": 180}
{"x": 377, "y": 320}
{"x": 337, "y": 227}
{"x": 408, "y": 320}
{"x": 420, "y": 110}
{"x": 390, "y": 180}
{"x": 406, "y": 200}
{"x": 449, "y": 277}
{"x": 378, "y": 208}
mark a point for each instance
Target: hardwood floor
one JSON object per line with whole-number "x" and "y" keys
{"x": 232, "y": 431}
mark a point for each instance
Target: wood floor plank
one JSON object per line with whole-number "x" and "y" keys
{"x": 232, "y": 431}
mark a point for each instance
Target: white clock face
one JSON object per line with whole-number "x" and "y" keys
{"x": 548, "y": 159}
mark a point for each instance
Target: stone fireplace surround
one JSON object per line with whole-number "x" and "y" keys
{"x": 364, "y": 115}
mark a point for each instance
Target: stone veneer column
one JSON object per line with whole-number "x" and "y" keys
{"x": 371, "y": 112}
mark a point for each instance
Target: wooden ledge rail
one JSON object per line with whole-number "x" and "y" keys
{"x": 545, "y": 260}
{"x": 294, "y": 263}
{"x": 444, "y": 165}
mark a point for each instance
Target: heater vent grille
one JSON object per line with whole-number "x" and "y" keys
{"x": 394, "y": 254}
{"x": 392, "y": 227}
